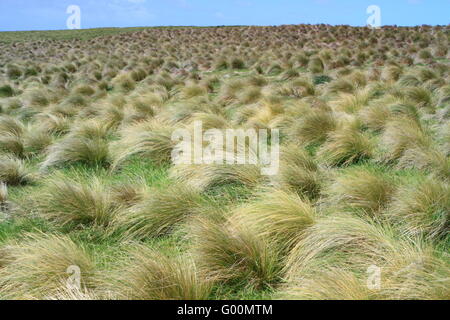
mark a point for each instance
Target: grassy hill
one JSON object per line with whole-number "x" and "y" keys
{"x": 89, "y": 192}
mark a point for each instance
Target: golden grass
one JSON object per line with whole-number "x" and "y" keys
{"x": 233, "y": 253}
{"x": 158, "y": 213}
{"x": 422, "y": 208}
{"x": 75, "y": 202}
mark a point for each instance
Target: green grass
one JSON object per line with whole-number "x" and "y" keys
{"x": 235, "y": 224}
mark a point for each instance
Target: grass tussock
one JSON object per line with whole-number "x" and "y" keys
{"x": 361, "y": 189}
{"x": 87, "y": 143}
{"x": 346, "y": 146}
{"x": 14, "y": 171}
{"x": 233, "y": 253}
{"x": 355, "y": 246}
{"x": 422, "y": 208}
{"x": 314, "y": 127}
{"x": 400, "y": 135}
{"x": 159, "y": 212}
{"x": 279, "y": 216}
{"x": 204, "y": 177}
{"x": 152, "y": 275}
{"x": 298, "y": 172}
{"x": 89, "y": 146}
{"x": 151, "y": 140}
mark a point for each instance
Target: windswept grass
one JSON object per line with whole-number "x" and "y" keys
{"x": 91, "y": 177}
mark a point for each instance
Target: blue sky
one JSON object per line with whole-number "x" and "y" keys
{"x": 51, "y": 14}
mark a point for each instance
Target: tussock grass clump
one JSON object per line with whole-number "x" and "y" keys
{"x": 11, "y": 132}
{"x": 38, "y": 266}
{"x": 375, "y": 116}
{"x": 13, "y": 72}
{"x": 298, "y": 88}
{"x": 129, "y": 193}
{"x": 149, "y": 274}
{"x": 402, "y": 134}
{"x": 12, "y": 144}
{"x": 422, "y": 208}
{"x": 420, "y": 96}
{"x": 237, "y": 63}
{"x": 298, "y": 172}
{"x": 328, "y": 284}
{"x": 233, "y": 253}
{"x": 345, "y": 146}
{"x": 428, "y": 159}
{"x": 417, "y": 274}
{"x": 149, "y": 139}
{"x": 380, "y": 111}
{"x": 13, "y": 171}
{"x": 407, "y": 110}
{"x": 250, "y": 95}
{"x": 124, "y": 82}
{"x": 411, "y": 268}
{"x": 75, "y": 149}
{"x": 352, "y": 102}
{"x": 54, "y": 124}
{"x": 38, "y": 98}
{"x": 344, "y": 241}
{"x": 364, "y": 189}
{"x": 282, "y": 217}
{"x": 86, "y": 143}
{"x": 159, "y": 212}
{"x": 315, "y": 65}
{"x": 6, "y": 91}
{"x": 193, "y": 91}
{"x": 444, "y": 95}
{"x": 205, "y": 177}
{"x": 72, "y": 201}
{"x": 230, "y": 89}
{"x": 36, "y": 140}
{"x": 346, "y": 245}
{"x": 83, "y": 89}
{"x": 210, "y": 120}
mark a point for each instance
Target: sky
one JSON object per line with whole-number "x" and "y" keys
{"x": 21, "y": 15}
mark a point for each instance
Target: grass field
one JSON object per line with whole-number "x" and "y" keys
{"x": 92, "y": 207}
